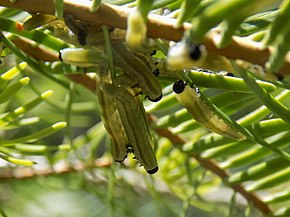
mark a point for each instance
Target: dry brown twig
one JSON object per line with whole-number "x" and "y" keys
{"x": 158, "y": 27}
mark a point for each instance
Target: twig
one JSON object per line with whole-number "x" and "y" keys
{"x": 7, "y": 174}
{"x": 158, "y": 27}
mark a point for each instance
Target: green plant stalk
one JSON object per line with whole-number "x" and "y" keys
{"x": 43, "y": 71}
{"x": 17, "y": 161}
{"x": 11, "y": 90}
{"x": 218, "y": 11}
{"x": 277, "y": 58}
{"x": 212, "y": 80}
{"x": 12, "y": 73}
{"x": 144, "y": 7}
{"x": 277, "y": 29}
{"x": 270, "y": 181}
{"x": 256, "y": 23}
{"x": 11, "y": 116}
{"x": 58, "y": 6}
{"x": 254, "y": 155}
{"x": 259, "y": 171}
{"x": 188, "y": 8}
{"x": 95, "y": 5}
{"x": 165, "y": 3}
{"x": 34, "y": 35}
{"x": 35, "y": 136}
{"x": 268, "y": 100}
{"x": 263, "y": 129}
{"x": 278, "y": 198}
{"x": 28, "y": 148}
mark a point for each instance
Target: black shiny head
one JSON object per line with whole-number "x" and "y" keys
{"x": 153, "y": 170}
{"x": 178, "y": 87}
{"x": 194, "y": 51}
{"x": 156, "y": 99}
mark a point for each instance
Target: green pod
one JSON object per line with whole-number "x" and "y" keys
{"x": 259, "y": 171}
{"x": 11, "y": 90}
{"x": 135, "y": 128}
{"x": 270, "y": 181}
{"x": 138, "y": 70}
{"x": 204, "y": 113}
{"x": 81, "y": 57}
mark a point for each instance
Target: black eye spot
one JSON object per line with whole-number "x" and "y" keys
{"x": 178, "y": 87}
{"x": 156, "y": 72}
{"x": 194, "y": 51}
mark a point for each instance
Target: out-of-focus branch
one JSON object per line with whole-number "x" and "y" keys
{"x": 158, "y": 27}
{"x": 7, "y": 174}
{"x": 251, "y": 197}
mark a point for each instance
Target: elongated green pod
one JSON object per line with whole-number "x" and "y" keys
{"x": 11, "y": 73}
{"x": 270, "y": 181}
{"x": 11, "y": 116}
{"x": 188, "y": 7}
{"x": 277, "y": 29}
{"x": 112, "y": 120}
{"x": 259, "y": 171}
{"x": 204, "y": 113}
{"x": 134, "y": 126}
{"x": 17, "y": 161}
{"x": 137, "y": 70}
{"x": 81, "y": 57}
{"x": 35, "y": 136}
{"x": 13, "y": 89}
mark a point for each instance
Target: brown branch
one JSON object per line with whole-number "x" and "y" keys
{"x": 7, "y": 174}
{"x": 213, "y": 167}
{"x": 158, "y": 27}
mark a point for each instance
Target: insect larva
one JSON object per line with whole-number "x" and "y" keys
{"x": 134, "y": 125}
{"x": 81, "y": 57}
{"x": 137, "y": 70}
{"x": 203, "y": 112}
{"x": 112, "y": 121}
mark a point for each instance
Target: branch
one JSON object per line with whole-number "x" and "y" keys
{"x": 158, "y": 27}
{"x": 7, "y": 174}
